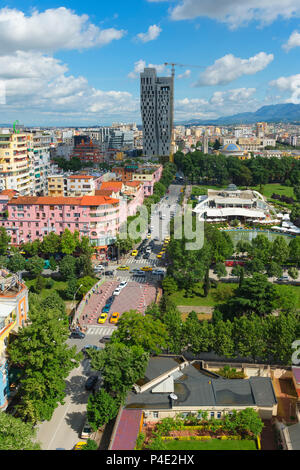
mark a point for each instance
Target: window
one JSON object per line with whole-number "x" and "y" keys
{"x": 219, "y": 415}
{"x": 212, "y": 414}
{"x": 155, "y": 414}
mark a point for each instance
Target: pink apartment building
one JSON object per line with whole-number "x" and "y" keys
{"x": 31, "y": 218}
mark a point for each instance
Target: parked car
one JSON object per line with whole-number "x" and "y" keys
{"x": 89, "y": 347}
{"x": 117, "y": 291}
{"x": 106, "y": 309}
{"x": 139, "y": 274}
{"x": 134, "y": 253}
{"x": 123, "y": 284}
{"x": 80, "y": 445}
{"x": 110, "y": 300}
{"x": 109, "y": 273}
{"x": 77, "y": 335}
{"x": 105, "y": 339}
{"x": 283, "y": 278}
{"x": 91, "y": 382}
{"x": 102, "y": 318}
{"x": 114, "y": 318}
{"x": 148, "y": 249}
{"x": 100, "y": 267}
{"x": 87, "y": 430}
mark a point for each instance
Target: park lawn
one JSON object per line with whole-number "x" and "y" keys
{"x": 198, "y": 301}
{"x": 58, "y": 286}
{"x": 294, "y": 289}
{"x": 212, "y": 444}
{"x": 269, "y": 189}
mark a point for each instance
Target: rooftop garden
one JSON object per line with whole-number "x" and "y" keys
{"x": 237, "y": 430}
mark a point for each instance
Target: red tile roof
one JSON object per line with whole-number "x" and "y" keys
{"x": 64, "y": 201}
{"x": 112, "y": 185}
{"x": 103, "y": 192}
{"x": 127, "y": 430}
{"x": 80, "y": 177}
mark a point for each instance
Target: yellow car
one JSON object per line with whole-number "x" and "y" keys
{"x": 159, "y": 255}
{"x": 115, "y": 317}
{"x": 123, "y": 268}
{"x": 163, "y": 250}
{"x": 134, "y": 253}
{"x": 102, "y": 318}
{"x": 80, "y": 445}
{"x": 168, "y": 239}
{"x": 146, "y": 268}
{"x": 149, "y": 236}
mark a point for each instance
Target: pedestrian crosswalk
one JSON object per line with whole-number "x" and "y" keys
{"x": 140, "y": 280}
{"x": 145, "y": 262}
{"x": 100, "y": 330}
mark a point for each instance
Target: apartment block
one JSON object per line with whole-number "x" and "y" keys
{"x": 15, "y": 171}
{"x": 31, "y": 218}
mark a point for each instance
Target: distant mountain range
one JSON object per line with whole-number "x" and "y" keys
{"x": 288, "y": 112}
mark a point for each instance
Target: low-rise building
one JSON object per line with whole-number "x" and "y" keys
{"x": 232, "y": 203}
{"x": 13, "y": 315}
{"x": 175, "y": 386}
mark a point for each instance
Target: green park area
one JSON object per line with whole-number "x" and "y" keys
{"x": 215, "y": 296}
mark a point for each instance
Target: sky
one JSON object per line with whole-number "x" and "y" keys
{"x": 78, "y": 63}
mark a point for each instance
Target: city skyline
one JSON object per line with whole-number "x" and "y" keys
{"x": 80, "y": 64}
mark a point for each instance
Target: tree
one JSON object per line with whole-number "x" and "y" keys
{"x": 274, "y": 270}
{"x": 16, "y": 263}
{"x": 51, "y": 243}
{"x": 249, "y": 337}
{"x": 294, "y": 249}
{"x": 86, "y": 284}
{"x": 54, "y": 302}
{"x": 67, "y": 267}
{"x": 35, "y": 266}
{"x": 295, "y": 214}
{"x": 120, "y": 365}
{"x": 206, "y": 284}
{"x": 69, "y": 242}
{"x": 16, "y": 435}
{"x": 280, "y": 250}
{"x": 52, "y": 264}
{"x": 169, "y": 285}
{"x": 40, "y": 348}
{"x": 90, "y": 445}
{"x": 4, "y": 241}
{"x": 220, "y": 270}
{"x": 293, "y": 273}
{"x": 145, "y": 331}
{"x": 256, "y": 295}
{"x": 71, "y": 289}
{"x": 101, "y": 409}
{"x": 84, "y": 266}
{"x": 173, "y": 322}
{"x": 245, "y": 421}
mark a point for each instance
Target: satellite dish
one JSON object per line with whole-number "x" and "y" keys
{"x": 173, "y": 396}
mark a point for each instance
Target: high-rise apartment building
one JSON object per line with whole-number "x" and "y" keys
{"x": 15, "y": 163}
{"x": 157, "y": 109}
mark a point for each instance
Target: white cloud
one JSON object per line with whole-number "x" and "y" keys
{"x": 185, "y": 74}
{"x": 234, "y": 12}
{"x": 229, "y": 68}
{"x": 152, "y": 34}
{"x": 294, "y": 41}
{"x": 289, "y": 85}
{"x": 42, "y": 85}
{"x": 141, "y": 64}
{"x": 51, "y": 30}
{"x": 221, "y": 103}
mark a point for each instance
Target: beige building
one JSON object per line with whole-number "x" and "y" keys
{"x": 57, "y": 186}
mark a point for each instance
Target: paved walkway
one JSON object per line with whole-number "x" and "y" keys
{"x": 287, "y": 399}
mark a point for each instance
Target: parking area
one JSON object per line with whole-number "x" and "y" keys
{"x": 134, "y": 296}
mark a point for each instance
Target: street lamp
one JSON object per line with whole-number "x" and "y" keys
{"x": 74, "y": 305}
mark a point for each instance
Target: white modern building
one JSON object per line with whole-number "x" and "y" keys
{"x": 232, "y": 203}
{"x": 157, "y": 109}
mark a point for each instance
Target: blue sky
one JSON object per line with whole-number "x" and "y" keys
{"x": 78, "y": 63}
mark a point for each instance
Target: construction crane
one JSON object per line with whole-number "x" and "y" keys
{"x": 182, "y": 65}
